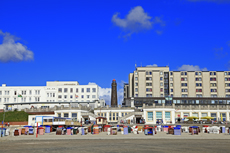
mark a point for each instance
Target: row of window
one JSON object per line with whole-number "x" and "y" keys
{"x": 71, "y": 90}
{"x": 22, "y": 99}
{"x": 23, "y": 92}
{"x": 76, "y": 96}
{"x": 50, "y": 94}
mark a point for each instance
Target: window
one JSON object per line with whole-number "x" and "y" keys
{"x": 198, "y": 95}
{"x": 14, "y": 100}
{"x": 213, "y": 90}
{"x": 71, "y": 96}
{"x": 65, "y": 90}
{"x": 196, "y": 73}
{"x": 161, "y": 73}
{"x": 88, "y": 96}
{"x": 122, "y": 114}
{"x": 184, "y": 84}
{"x": 48, "y": 94}
{"x": 148, "y": 78}
{"x": 161, "y": 78}
{"x": 65, "y": 96}
{"x": 212, "y": 79}
{"x": 87, "y": 89}
{"x": 76, "y": 90}
{"x": 93, "y": 96}
{"x": 150, "y": 73}
{"x": 150, "y": 116}
{"x": 74, "y": 115}
{"x": 136, "y": 95}
{"x": 161, "y": 84}
{"x": 71, "y": 90}
{"x": 199, "y": 73}
{"x": 148, "y": 89}
{"x": 148, "y": 84}
{"x": 161, "y": 89}
{"x": 82, "y": 96}
{"x": 136, "y": 79}
{"x": 167, "y": 116}
{"x": 182, "y": 73}
{"x": 94, "y": 89}
{"x": 158, "y": 115}
{"x": 66, "y": 114}
{"x": 225, "y": 73}
{"x": 136, "y": 89}
{"x": 171, "y": 84}
{"x": 0, "y": 92}
{"x": 185, "y": 73}
{"x": 135, "y": 73}
{"x": 171, "y": 79}
{"x": 59, "y": 90}
{"x": 148, "y": 95}
{"x": 199, "y": 84}
{"x": 171, "y": 90}
{"x": 184, "y": 95}
{"x": 82, "y": 90}
{"x": 184, "y": 90}
{"x": 30, "y": 99}
{"x": 171, "y": 73}
{"x": 59, "y": 96}
{"x": 213, "y": 115}
{"x": 214, "y": 84}
{"x": 227, "y": 79}
{"x": 198, "y": 90}
{"x": 59, "y": 114}
{"x": 15, "y": 92}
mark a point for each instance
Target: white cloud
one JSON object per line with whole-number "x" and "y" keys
{"x": 154, "y": 65}
{"x": 135, "y": 21}
{"x": 10, "y": 50}
{"x": 105, "y": 93}
{"x": 191, "y": 68}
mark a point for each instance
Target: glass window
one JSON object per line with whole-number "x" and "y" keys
{"x": 71, "y": 89}
{"x": 150, "y": 116}
{"x": 59, "y": 96}
{"x": 76, "y": 90}
{"x": 74, "y": 115}
{"x": 82, "y": 96}
{"x": 66, "y": 114}
{"x": 65, "y": 89}
{"x": 88, "y": 90}
{"x": 213, "y": 115}
{"x": 93, "y": 96}
{"x": 158, "y": 115}
{"x": 87, "y": 96}
{"x": 82, "y": 90}
{"x": 94, "y": 89}
{"x": 167, "y": 116}
{"x": 136, "y": 79}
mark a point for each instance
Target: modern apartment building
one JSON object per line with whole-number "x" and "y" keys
{"x": 54, "y": 93}
{"x": 156, "y": 83}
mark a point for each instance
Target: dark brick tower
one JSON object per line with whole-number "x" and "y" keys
{"x": 114, "y": 94}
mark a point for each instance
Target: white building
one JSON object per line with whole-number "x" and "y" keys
{"x": 54, "y": 93}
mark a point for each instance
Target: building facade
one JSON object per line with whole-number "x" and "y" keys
{"x": 152, "y": 84}
{"x": 55, "y": 92}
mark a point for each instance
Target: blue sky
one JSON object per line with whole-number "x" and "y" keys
{"x": 97, "y": 41}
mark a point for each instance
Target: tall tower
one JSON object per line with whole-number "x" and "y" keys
{"x": 114, "y": 94}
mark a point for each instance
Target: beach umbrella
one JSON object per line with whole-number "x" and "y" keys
{"x": 207, "y": 117}
{"x": 192, "y": 117}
